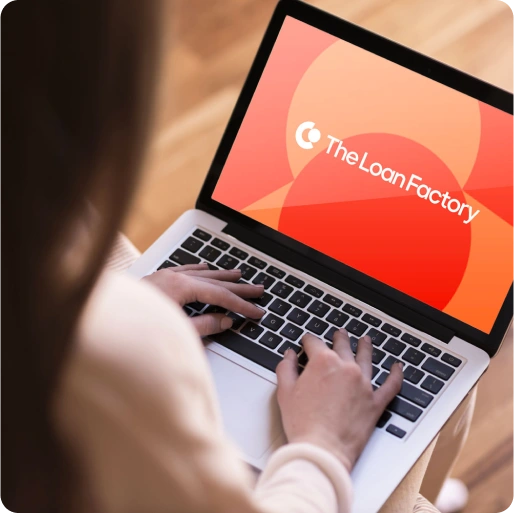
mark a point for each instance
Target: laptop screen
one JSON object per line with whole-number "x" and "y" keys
{"x": 381, "y": 168}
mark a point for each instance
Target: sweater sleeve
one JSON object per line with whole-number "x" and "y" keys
{"x": 137, "y": 409}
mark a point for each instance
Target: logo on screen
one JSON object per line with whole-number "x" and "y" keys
{"x": 313, "y": 135}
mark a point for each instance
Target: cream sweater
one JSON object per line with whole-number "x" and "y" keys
{"x": 137, "y": 407}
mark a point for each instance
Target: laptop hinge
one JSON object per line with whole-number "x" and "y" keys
{"x": 335, "y": 279}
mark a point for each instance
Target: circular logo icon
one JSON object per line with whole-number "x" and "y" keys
{"x": 313, "y": 135}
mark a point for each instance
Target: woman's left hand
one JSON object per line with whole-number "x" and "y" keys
{"x": 190, "y": 283}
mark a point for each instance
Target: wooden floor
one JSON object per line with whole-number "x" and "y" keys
{"x": 208, "y": 48}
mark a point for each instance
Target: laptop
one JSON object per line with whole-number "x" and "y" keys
{"x": 368, "y": 187}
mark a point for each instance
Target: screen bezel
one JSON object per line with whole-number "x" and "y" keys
{"x": 396, "y": 53}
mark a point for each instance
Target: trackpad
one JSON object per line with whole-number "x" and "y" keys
{"x": 248, "y": 404}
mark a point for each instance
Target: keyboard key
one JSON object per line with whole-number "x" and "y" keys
{"x": 214, "y": 309}
{"x": 338, "y": 318}
{"x": 300, "y": 299}
{"x": 388, "y": 363}
{"x": 264, "y": 279}
{"x": 354, "y": 344}
{"x": 263, "y": 300}
{"x": 438, "y": 369}
{"x": 382, "y": 378}
{"x": 295, "y": 282}
{"x": 452, "y": 360}
{"x": 212, "y": 267}
{"x": 434, "y": 351}
{"x": 356, "y": 327}
{"x": 412, "y": 374}
{"x": 181, "y": 257}
{"x": 396, "y": 431}
{"x": 410, "y": 339}
{"x": 432, "y": 384}
{"x": 329, "y": 335}
{"x": 317, "y": 326}
{"x": 192, "y": 244}
{"x": 251, "y": 330}
{"x": 331, "y": 300}
{"x": 298, "y": 317}
{"x": 404, "y": 409}
{"x": 271, "y": 340}
{"x": 395, "y": 332}
{"x": 166, "y": 265}
{"x": 384, "y": 419}
{"x": 374, "y": 371}
{"x": 318, "y": 308}
{"x": 202, "y": 235}
{"x": 394, "y": 346}
{"x": 291, "y": 331}
{"x": 238, "y": 320}
{"x": 289, "y": 345}
{"x": 274, "y": 271}
{"x": 352, "y": 310}
{"x": 377, "y": 337}
{"x": 282, "y": 290}
{"x": 238, "y": 253}
{"x": 197, "y": 305}
{"x": 370, "y": 319}
{"x": 313, "y": 291}
{"x": 377, "y": 356}
{"x": 247, "y": 271}
{"x": 220, "y": 244}
{"x": 189, "y": 312}
{"x": 303, "y": 359}
{"x": 280, "y": 307}
{"x": 415, "y": 395}
{"x": 227, "y": 262}
{"x": 254, "y": 352}
{"x": 272, "y": 322}
{"x": 210, "y": 254}
{"x": 257, "y": 262}
{"x": 413, "y": 356}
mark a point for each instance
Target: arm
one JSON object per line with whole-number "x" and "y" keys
{"x": 138, "y": 409}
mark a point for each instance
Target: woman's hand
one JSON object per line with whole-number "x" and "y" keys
{"x": 190, "y": 283}
{"x": 332, "y": 403}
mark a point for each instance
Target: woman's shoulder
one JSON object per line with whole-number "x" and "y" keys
{"x": 131, "y": 336}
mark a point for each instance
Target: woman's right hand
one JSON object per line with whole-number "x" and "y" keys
{"x": 332, "y": 403}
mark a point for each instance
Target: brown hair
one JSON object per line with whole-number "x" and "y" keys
{"x": 76, "y": 81}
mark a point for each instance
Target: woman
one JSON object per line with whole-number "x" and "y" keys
{"x": 108, "y": 405}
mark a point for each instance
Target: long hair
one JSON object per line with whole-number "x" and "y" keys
{"x": 77, "y": 80}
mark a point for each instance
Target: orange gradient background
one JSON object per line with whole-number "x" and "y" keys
{"x": 406, "y": 122}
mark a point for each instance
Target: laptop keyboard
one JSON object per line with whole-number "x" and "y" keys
{"x": 294, "y": 307}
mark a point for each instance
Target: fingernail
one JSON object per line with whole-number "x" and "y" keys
{"x": 226, "y": 323}
{"x": 235, "y": 271}
{"x": 343, "y": 331}
{"x": 367, "y": 339}
{"x": 260, "y": 286}
{"x": 401, "y": 365}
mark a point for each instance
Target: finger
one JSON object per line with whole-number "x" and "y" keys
{"x": 244, "y": 290}
{"x": 188, "y": 267}
{"x": 216, "y": 295}
{"x": 391, "y": 387}
{"x": 287, "y": 374}
{"x": 363, "y": 356}
{"x": 208, "y": 324}
{"x": 313, "y": 345}
{"x": 233, "y": 275}
{"x": 342, "y": 346}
